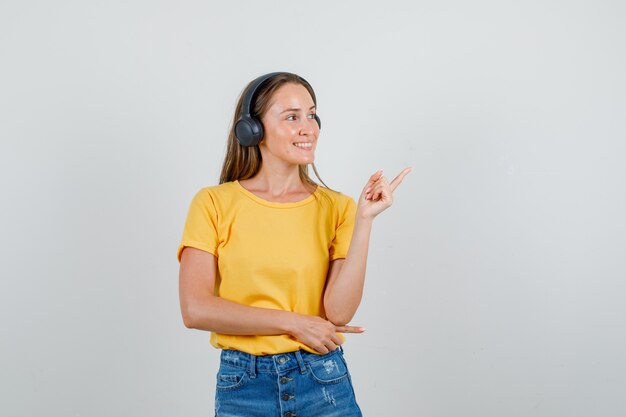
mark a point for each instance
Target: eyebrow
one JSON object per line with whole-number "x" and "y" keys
{"x": 295, "y": 109}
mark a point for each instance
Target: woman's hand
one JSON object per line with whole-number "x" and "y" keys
{"x": 377, "y": 194}
{"x": 319, "y": 334}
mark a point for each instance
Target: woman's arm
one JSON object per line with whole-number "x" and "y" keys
{"x": 202, "y": 310}
{"x": 346, "y": 277}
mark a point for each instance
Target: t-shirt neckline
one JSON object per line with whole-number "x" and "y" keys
{"x": 268, "y": 203}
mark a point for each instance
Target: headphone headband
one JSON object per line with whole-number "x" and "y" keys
{"x": 246, "y": 105}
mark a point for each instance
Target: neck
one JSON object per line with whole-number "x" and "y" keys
{"x": 278, "y": 181}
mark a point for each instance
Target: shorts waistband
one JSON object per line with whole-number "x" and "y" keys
{"x": 277, "y": 363}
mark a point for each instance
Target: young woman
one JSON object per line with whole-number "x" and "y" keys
{"x": 273, "y": 264}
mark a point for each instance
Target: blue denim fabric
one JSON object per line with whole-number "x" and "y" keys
{"x": 294, "y": 384}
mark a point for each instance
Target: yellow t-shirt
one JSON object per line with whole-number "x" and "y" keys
{"x": 270, "y": 255}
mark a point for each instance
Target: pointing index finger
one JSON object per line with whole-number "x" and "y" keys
{"x": 350, "y": 329}
{"x": 398, "y": 179}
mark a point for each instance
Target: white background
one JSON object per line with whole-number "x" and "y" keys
{"x": 495, "y": 283}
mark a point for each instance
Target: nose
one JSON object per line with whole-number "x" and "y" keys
{"x": 308, "y": 127}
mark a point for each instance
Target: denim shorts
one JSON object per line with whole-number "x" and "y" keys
{"x": 294, "y": 384}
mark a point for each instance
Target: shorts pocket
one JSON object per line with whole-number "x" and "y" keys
{"x": 231, "y": 377}
{"x": 331, "y": 370}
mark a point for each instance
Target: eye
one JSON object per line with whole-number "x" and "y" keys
{"x": 312, "y": 116}
{"x": 291, "y": 117}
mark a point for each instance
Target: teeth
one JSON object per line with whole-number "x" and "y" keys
{"x": 304, "y": 145}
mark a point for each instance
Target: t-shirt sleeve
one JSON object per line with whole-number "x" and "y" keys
{"x": 200, "y": 230}
{"x": 343, "y": 234}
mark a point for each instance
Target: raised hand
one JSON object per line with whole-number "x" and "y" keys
{"x": 377, "y": 195}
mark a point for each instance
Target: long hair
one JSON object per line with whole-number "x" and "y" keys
{"x": 242, "y": 162}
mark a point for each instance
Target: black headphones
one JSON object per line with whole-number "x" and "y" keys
{"x": 248, "y": 129}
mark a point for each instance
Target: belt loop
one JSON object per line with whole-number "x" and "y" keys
{"x": 300, "y": 362}
{"x": 252, "y": 369}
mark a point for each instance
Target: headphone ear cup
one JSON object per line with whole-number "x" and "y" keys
{"x": 319, "y": 122}
{"x": 249, "y": 131}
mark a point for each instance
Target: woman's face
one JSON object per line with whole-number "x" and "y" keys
{"x": 290, "y": 129}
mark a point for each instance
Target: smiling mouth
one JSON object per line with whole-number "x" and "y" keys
{"x": 303, "y": 145}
